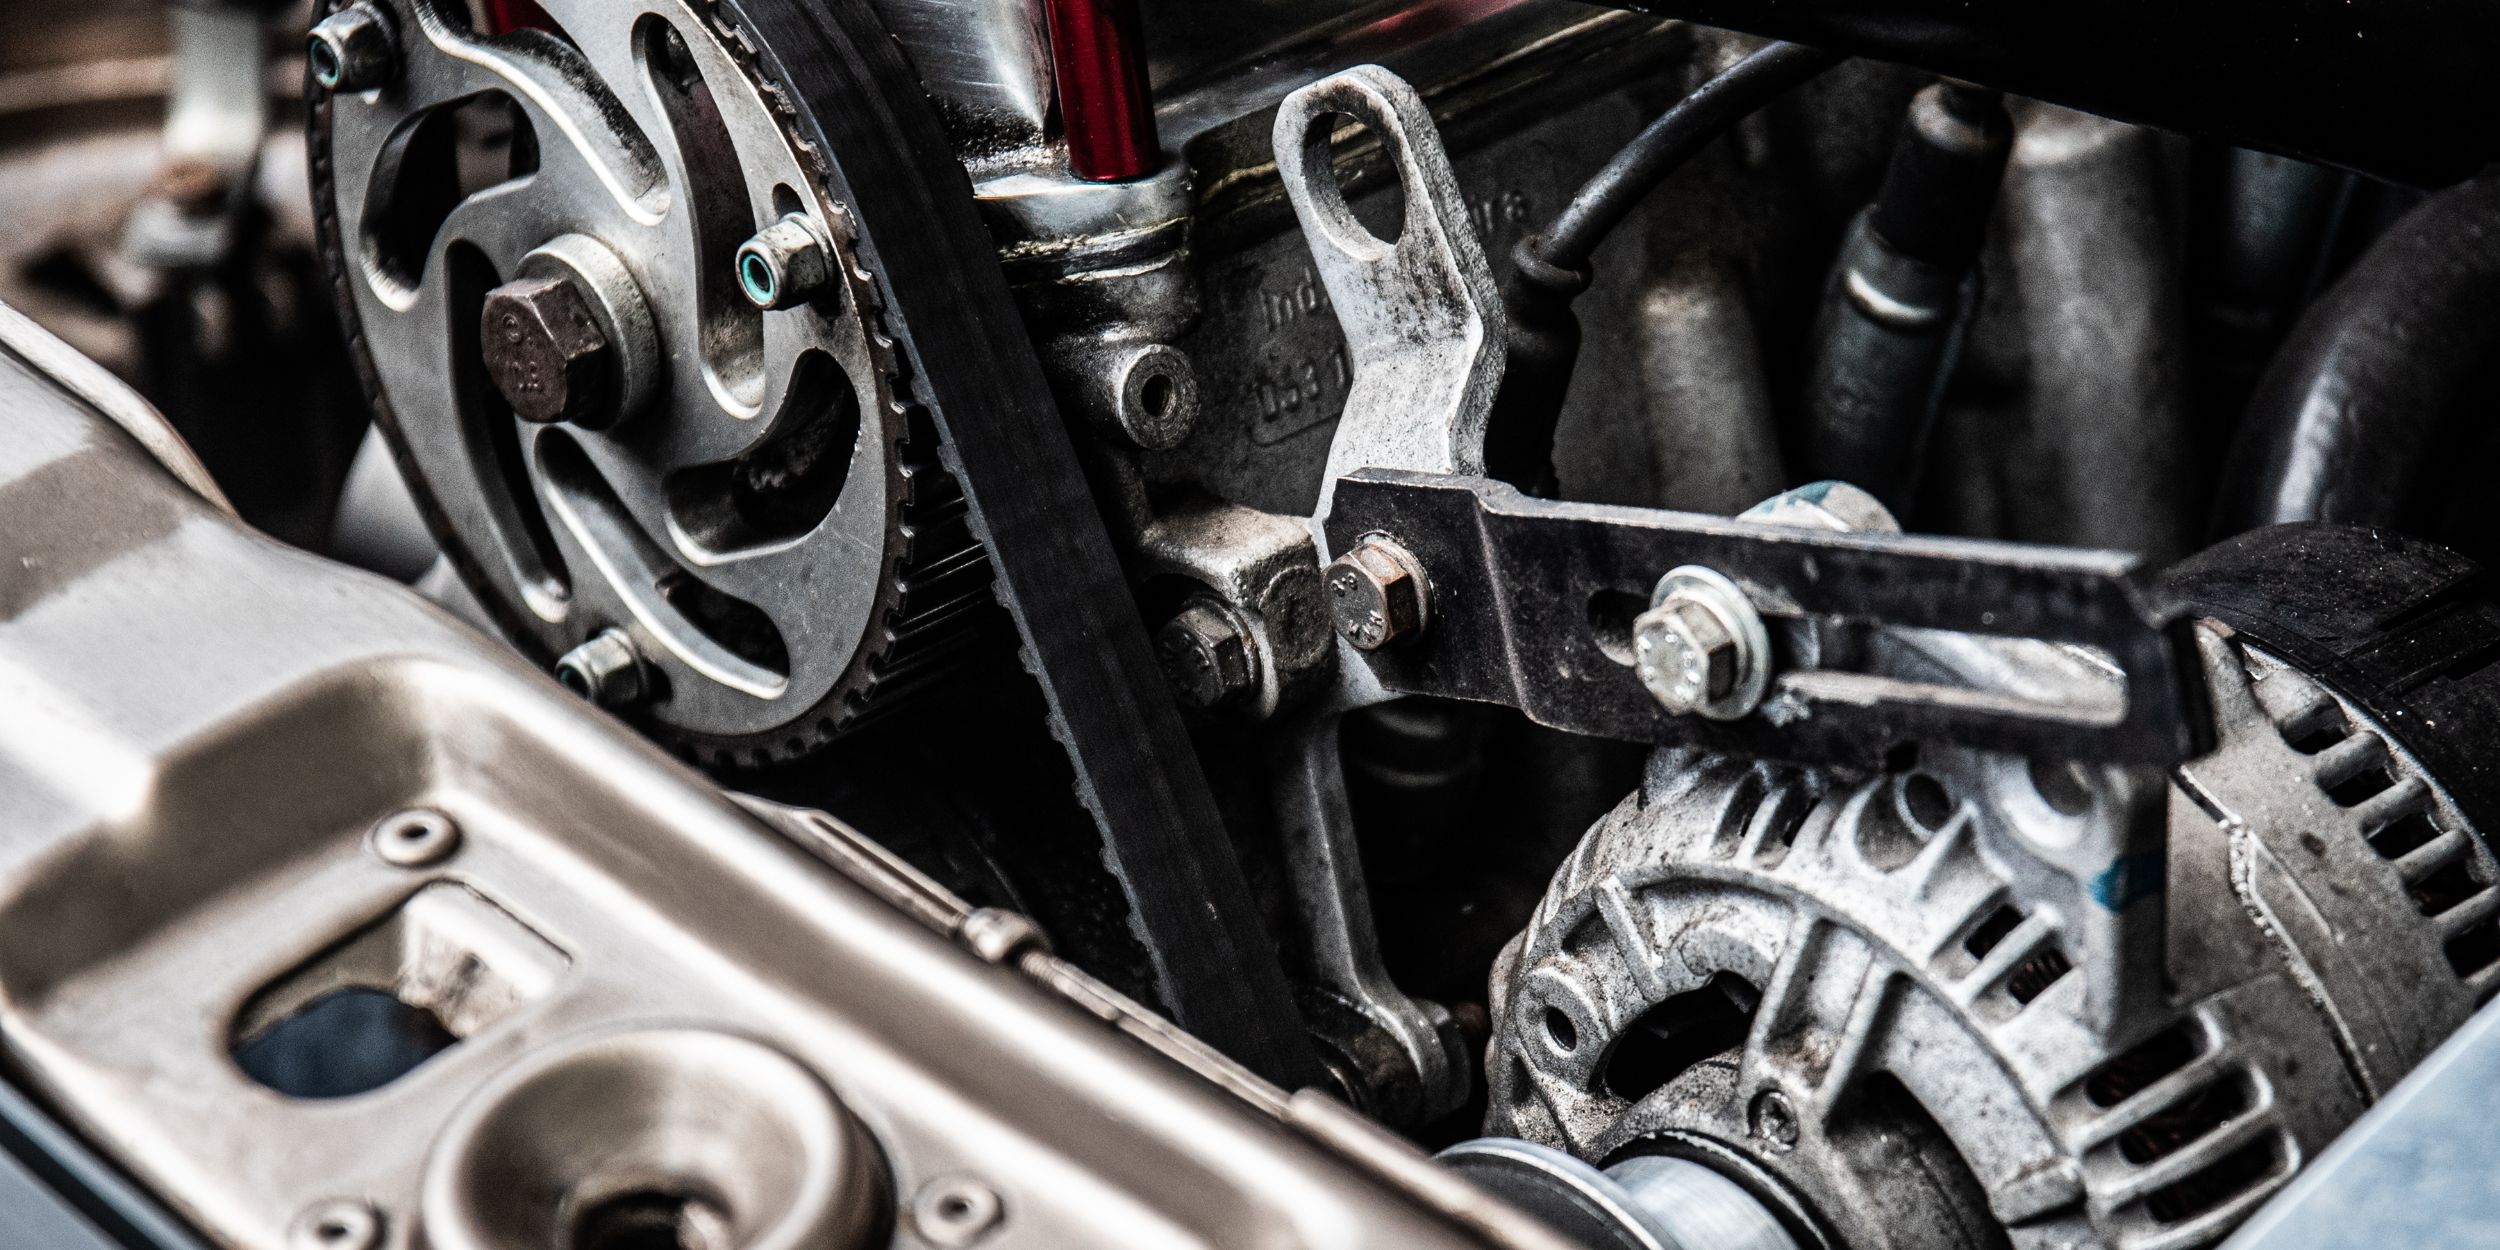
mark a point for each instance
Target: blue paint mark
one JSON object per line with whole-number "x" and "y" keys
{"x": 1810, "y": 493}
{"x": 2127, "y": 879}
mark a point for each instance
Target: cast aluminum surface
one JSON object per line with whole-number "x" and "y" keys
{"x": 659, "y": 149}
{"x": 1888, "y": 934}
{"x": 206, "y": 738}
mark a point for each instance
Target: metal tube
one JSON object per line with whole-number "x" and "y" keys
{"x": 1106, "y": 107}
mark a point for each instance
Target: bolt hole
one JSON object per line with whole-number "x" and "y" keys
{"x": 335, "y": 1230}
{"x": 325, "y": 65}
{"x": 2062, "y": 786}
{"x": 1156, "y": 396}
{"x": 954, "y": 1206}
{"x": 1611, "y": 614}
{"x": 1565, "y": 1034}
{"x": 1927, "y": 801}
{"x": 757, "y": 277}
{"x": 1353, "y": 155}
{"x": 650, "y": 1220}
{"x": 572, "y": 678}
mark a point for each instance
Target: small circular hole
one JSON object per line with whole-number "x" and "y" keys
{"x": 2062, "y": 786}
{"x": 954, "y": 1206}
{"x": 757, "y": 277}
{"x": 650, "y": 1220}
{"x": 335, "y": 1230}
{"x": 1927, "y": 801}
{"x": 1559, "y": 1027}
{"x": 1156, "y": 396}
{"x": 574, "y": 679}
{"x": 325, "y": 62}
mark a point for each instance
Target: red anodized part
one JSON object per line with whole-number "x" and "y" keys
{"x": 510, "y": 15}
{"x": 1098, "y": 55}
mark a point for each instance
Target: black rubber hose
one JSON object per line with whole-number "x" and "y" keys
{"x": 2385, "y": 379}
{"x": 1664, "y": 145}
{"x": 2401, "y": 89}
{"x": 1550, "y": 267}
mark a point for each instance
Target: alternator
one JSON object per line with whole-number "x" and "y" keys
{"x": 1827, "y": 988}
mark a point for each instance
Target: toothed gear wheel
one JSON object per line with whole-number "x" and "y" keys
{"x": 754, "y": 497}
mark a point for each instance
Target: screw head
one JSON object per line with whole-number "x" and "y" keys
{"x": 607, "y": 670}
{"x": 1206, "y": 653}
{"x": 1701, "y": 648}
{"x": 547, "y": 354}
{"x": 1378, "y": 594}
{"x": 352, "y": 50}
{"x": 786, "y": 264}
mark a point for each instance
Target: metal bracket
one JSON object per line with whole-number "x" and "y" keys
{"x": 1421, "y": 314}
{"x": 1527, "y": 611}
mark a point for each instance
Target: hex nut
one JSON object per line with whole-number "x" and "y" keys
{"x": 1378, "y": 594}
{"x": 1207, "y": 654}
{"x": 607, "y": 670}
{"x": 352, "y": 50}
{"x": 786, "y": 264}
{"x": 546, "y": 353}
{"x": 1701, "y": 648}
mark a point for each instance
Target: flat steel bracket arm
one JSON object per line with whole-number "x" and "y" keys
{"x": 1531, "y": 601}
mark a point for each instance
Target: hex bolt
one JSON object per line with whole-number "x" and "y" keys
{"x": 607, "y": 670}
{"x": 547, "y": 354}
{"x": 352, "y": 50}
{"x": 786, "y": 264}
{"x": 1701, "y": 648}
{"x": 1378, "y": 594}
{"x": 1207, "y": 653}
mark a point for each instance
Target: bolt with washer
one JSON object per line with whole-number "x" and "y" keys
{"x": 1701, "y": 648}
{"x": 547, "y": 354}
{"x": 352, "y": 50}
{"x": 1378, "y": 594}
{"x": 1208, "y": 654}
{"x": 607, "y": 670}
{"x": 786, "y": 264}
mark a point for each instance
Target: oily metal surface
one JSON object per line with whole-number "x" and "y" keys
{"x": 839, "y": 84}
{"x": 2321, "y": 936}
{"x": 649, "y": 150}
{"x": 207, "y": 738}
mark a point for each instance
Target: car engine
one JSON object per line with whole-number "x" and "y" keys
{"x": 1665, "y": 625}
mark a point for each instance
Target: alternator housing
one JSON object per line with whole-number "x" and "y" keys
{"x": 1821, "y": 985}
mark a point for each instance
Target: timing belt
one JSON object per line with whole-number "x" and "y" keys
{"x": 972, "y": 365}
